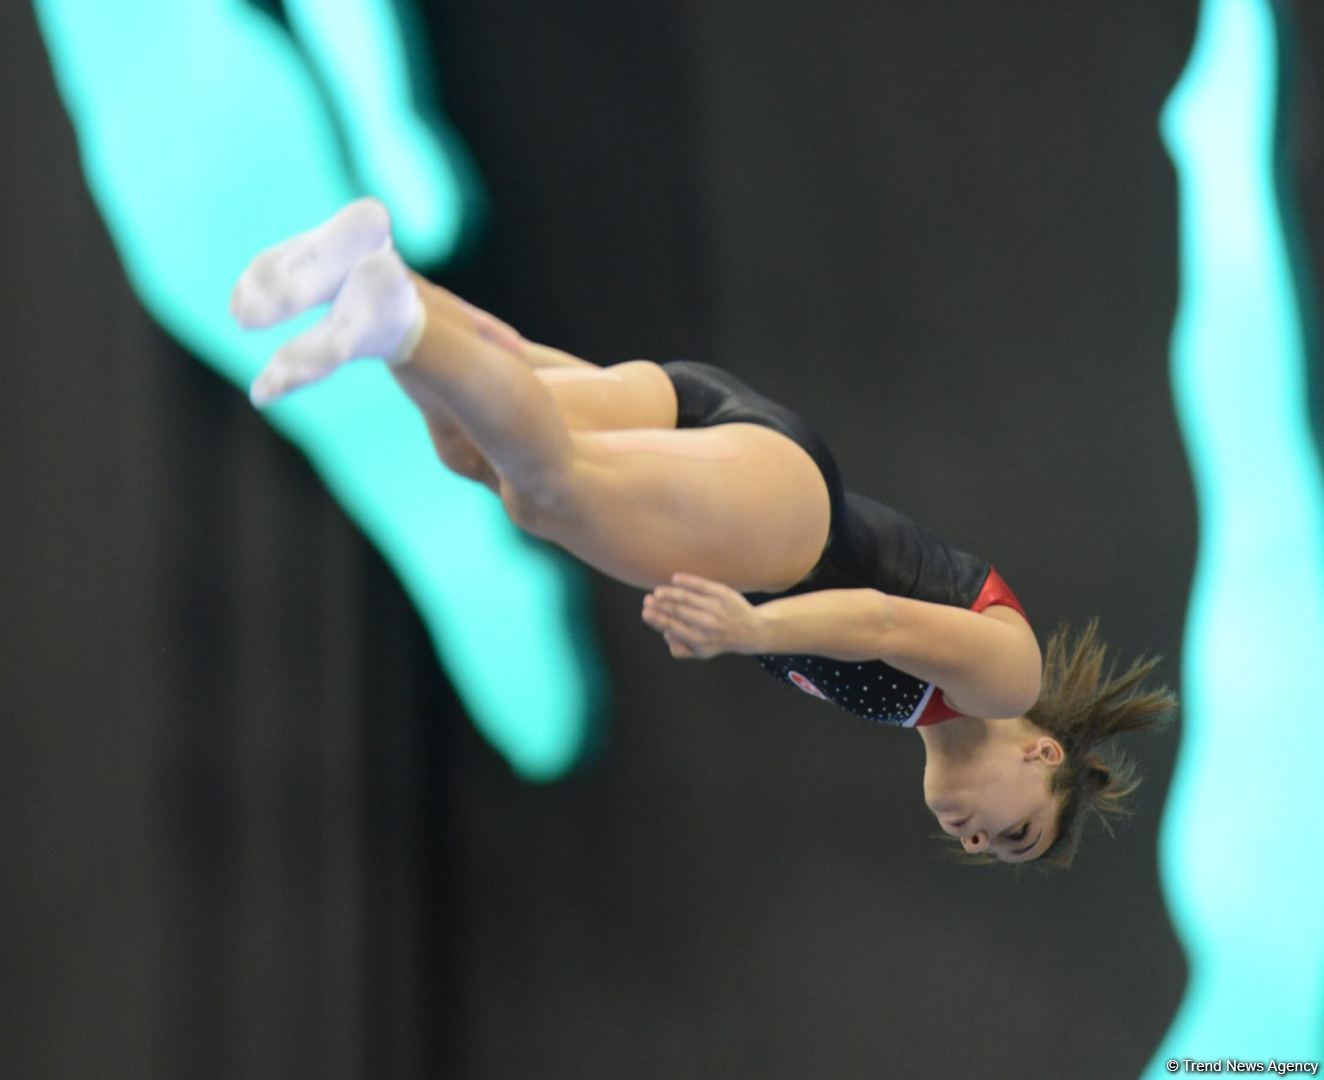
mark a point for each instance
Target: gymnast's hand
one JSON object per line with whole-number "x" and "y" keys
{"x": 700, "y": 618}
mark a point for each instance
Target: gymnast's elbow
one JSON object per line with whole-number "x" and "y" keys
{"x": 994, "y": 695}
{"x": 987, "y": 665}
{"x": 1019, "y": 680}
{"x": 1028, "y": 695}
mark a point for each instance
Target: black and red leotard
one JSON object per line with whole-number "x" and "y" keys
{"x": 869, "y": 546}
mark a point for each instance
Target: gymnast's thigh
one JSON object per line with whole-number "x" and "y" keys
{"x": 737, "y": 503}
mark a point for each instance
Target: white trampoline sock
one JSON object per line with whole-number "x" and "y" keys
{"x": 308, "y": 269}
{"x": 377, "y": 313}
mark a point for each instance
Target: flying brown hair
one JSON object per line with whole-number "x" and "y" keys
{"x": 1085, "y": 705}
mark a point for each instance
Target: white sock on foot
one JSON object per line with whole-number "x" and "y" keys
{"x": 377, "y": 313}
{"x": 308, "y": 269}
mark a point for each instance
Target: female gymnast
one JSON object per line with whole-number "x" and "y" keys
{"x": 729, "y": 511}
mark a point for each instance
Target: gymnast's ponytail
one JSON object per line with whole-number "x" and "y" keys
{"x": 1085, "y": 706}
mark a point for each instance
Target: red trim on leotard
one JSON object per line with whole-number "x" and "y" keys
{"x": 995, "y": 592}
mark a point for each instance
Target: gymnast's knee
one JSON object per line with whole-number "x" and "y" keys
{"x": 458, "y": 454}
{"x": 541, "y": 505}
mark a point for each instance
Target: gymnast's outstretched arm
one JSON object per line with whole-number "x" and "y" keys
{"x": 988, "y": 663}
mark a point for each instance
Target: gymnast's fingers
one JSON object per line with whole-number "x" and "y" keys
{"x": 687, "y": 642}
{"x": 667, "y": 621}
{"x": 703, "y": 586}
{"x": 700, "y": 624}
{"x": 654, "y": 616}
{"x": 680, "y": 649}
{"x": 686, "y": 614}
{"x": 699, "y": 601}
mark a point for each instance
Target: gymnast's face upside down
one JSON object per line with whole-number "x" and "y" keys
{"x": 989, "y": 784}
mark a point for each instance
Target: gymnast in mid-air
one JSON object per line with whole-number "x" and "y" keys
{"x": 729, "y": 512}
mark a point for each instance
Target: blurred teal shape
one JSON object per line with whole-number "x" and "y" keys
{"x": 357, "y": 47}
{"x": 1237, "y": 853}
{"x": 205, "y": 136}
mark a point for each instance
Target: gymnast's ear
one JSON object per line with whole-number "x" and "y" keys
{"x": 1045, "y": 748}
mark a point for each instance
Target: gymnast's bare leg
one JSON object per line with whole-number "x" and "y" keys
{"x": 636, "y": 394}
{"x": 590, "y": 460}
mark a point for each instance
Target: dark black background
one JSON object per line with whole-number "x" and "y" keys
{"x": 238, "y": 842}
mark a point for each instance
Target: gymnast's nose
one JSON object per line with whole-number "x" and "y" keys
{"x": 976, "y": 842}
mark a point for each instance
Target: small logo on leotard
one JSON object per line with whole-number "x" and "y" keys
{"x": 800, "y": 682}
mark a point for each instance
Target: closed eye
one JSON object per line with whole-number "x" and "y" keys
{"x": 1031, "y": 845}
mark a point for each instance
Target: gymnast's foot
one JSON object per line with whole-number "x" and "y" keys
{"x": 377, "y": 313}
{"x": 308, "y": 269}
